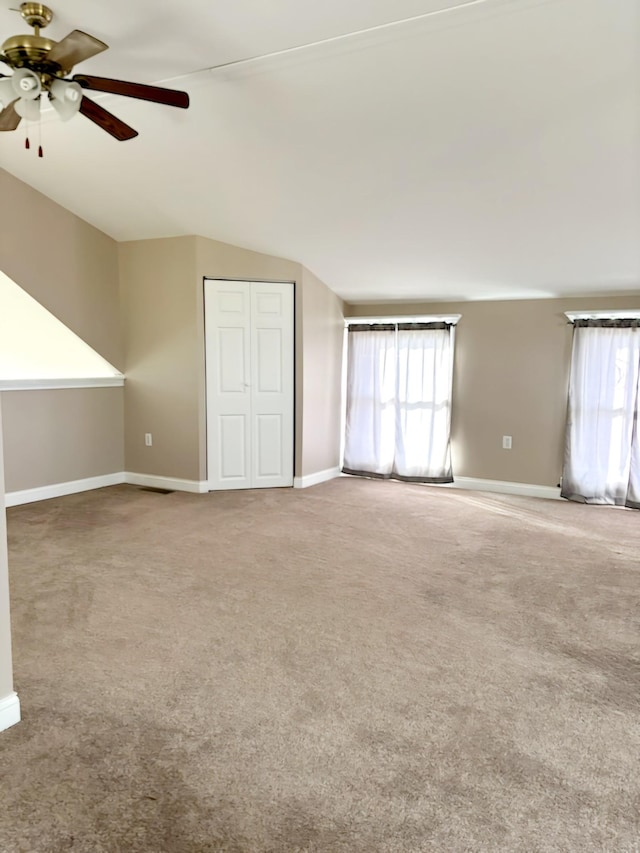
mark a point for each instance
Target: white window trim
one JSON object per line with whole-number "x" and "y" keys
{"x": 421, "y": 318}
{"x": 630, "y": 314}
{"x": 48, "y": 384}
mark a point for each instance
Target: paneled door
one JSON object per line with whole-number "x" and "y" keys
{"x": 249, "y": 353}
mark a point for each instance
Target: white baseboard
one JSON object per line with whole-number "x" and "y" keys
{"x": 155, "y": 482}
{"x": 58, "y": 490}
{"x": 314, "y": 479}
{"x": 9, "y": 711}
{"x": 505, "y": 487}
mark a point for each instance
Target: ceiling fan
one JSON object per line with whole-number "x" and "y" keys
{"x": 41, "y": 65}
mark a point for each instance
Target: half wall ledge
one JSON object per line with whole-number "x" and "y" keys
{"x": 9, "y": 711}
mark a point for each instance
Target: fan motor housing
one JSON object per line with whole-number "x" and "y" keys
{"x": 27, "y": 51}
{"x": 31, "y": 50}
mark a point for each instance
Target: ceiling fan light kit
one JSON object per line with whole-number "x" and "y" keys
{"x": 41, "y": 66}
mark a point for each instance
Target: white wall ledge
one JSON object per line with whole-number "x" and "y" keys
{"x": 9, "y": 711}
{"x": 48, "y": 384}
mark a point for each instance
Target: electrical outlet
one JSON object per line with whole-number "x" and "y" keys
{"x": 506, "y": 442}
{"x": 148, "y": 439}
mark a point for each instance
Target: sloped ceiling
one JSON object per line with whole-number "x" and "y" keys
{"x": 486, "y": 151}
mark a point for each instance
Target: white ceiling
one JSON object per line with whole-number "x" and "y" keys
{"x": 489, "y": 151}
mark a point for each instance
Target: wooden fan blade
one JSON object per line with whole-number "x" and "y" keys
{"x": 75, "y": 48}
{"x": 157, "y": 94}
{"x": 9, "y": 118}
{"x": 106, "y": 120}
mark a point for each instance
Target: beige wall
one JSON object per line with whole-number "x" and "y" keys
{"x": 323, "y": 335}
{"x": 6, "y": 672}
{"x": 220, "y": 260}
{"x": 162, "y": 347}
{"x": 510, "y": 378}
{"x": 55, "y": 436}
{"x": 67, "y": 265}
{"x": 140, "y": 305}
{"x": 72, "y": 269}
{"x": 162, "y": 296}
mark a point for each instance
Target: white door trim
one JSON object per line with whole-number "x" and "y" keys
{"x": 250, "y": 383}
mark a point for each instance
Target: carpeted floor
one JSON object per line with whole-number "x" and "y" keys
{"x": 358, "y": 667}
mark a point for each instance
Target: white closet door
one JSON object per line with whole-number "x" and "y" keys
{"x": 250, "y": 416}
{"x": 272, "y": 384}
{"x": 228, "y": 353}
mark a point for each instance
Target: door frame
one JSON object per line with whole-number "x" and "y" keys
{"x": 256, "y": 280}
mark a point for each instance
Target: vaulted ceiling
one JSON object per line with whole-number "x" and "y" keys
{"x": 420, "y": 149}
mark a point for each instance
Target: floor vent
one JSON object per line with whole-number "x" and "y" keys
{"x": 157, "y": 491}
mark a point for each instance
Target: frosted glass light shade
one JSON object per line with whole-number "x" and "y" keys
{"x": 28, "y": 109}
{"x": 7, "y": 93}
{"x": 65, "y": 97}
{"x": 26, "y": 84}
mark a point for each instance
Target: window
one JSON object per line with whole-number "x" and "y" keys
{"x": 602, "y": 453}
{"x": 398, "y": 419}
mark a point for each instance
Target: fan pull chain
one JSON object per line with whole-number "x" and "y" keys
{"x": 27, "y": 142}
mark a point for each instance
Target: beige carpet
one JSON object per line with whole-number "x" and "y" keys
{"x": 360, "y": 666}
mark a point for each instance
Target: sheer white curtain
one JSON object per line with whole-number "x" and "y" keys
{"x": 371, "y": 390}
{"x": 399, "y": 402}
{"x": 602, "y": 456}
